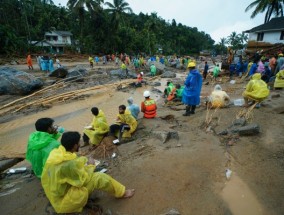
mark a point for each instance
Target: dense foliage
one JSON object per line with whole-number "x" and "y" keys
{"x": 98, "y": 28}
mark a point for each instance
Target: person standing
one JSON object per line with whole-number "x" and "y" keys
{"x": 57, "y": 62}
{"x": 205, "y": 71}
{"x": 216, "y": 72}
{"x": 153, "y": 70}
{"x": 29, "y": 62}
{"x": 148, "y": 106}
{"x": 191, "y": 92}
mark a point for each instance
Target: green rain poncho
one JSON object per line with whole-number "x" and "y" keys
{"x": 40, "y": 144}
{"x": 179, "y": 92}
{"x": 68, "y": 181}
{"x": 100, "y": 128}
{"x": 153, "y": 69}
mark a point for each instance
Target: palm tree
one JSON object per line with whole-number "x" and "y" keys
{"x": 270, "y": 6}
{"x": 117, "y": 9}
{"x": 78, "y": 6}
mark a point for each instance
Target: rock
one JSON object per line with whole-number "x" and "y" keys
{"x": 172, "y": 212}
{"x": 122, "y": 73}
{"x": 6, "y": 164}
{"x": 15, "y": 82}
{"x": 164, "y": 136}
{"x": 156, "y": 90}
{"x": 251, "y": 129}
{"x": 168, "y": 74}
{"x": 225, "y": 132}
{"x": 59, "y": 73}
{"x": 277, "y": 95}
{"x": 239, "y": 122}
{"x": 160, "y": 67}
{"x": 155, "y": 84}
{"x": 78, "y": 73}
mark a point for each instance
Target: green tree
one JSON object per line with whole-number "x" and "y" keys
{"x": 78, "y": 6}
{"x": 268, "y": 6}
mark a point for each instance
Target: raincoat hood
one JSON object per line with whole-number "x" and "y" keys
{"x": 100, "y": 114}
{"x": 59, "y": 155}
{"x": 217, "y": 87}
{"x": 41, "y": 139}
{"x": 256, "y": 76}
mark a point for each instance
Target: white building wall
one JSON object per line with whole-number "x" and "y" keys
{"x": 269, "y": 37}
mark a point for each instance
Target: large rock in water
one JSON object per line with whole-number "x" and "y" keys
{"x": 15, "y": 82}
{"x": 59, "y": 73}
{"x": 122, "y": 73}
{"x": 79, "y": 72}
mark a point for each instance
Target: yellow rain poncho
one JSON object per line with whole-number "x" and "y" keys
{"x": 99, "y": 128}
{"x": 219, "y": 98}
{"x": 127, "y": 118}
{"x": 68, "y": 181}
{"x": 256, "y": 89}
{"x": 279, "y": 81}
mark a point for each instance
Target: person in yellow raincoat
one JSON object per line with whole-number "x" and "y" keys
{"x": 99, "y": 128}
{"x": 279, "y": 80}
{"x": 91, "y": 61}
{"x": 218, "y": 98}
{"x": 256, "y": 90}
{"x": 68, "y": 180}
{"x": 125, "y": 124}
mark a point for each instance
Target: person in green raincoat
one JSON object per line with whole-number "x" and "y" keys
{"x": 94, "y": 133}
{"x": 179, "y": 91}
{"x": 41, "y": 143}
{"x": 168, "y": 89}
{"x": 153, "y": 70}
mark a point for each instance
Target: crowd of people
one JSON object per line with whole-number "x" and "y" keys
{"x": 69, "y": 179}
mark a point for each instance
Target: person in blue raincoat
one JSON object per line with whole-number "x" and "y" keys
{"x": 191, "y": 92}
{"x": 51, "y": 67}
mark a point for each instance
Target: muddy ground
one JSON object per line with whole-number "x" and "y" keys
{"x": 185, "y": 173}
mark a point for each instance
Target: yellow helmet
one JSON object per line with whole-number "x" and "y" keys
{"x": 191, "y": 64}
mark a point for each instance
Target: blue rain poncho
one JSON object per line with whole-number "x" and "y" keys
{"x": 193, "y": 85}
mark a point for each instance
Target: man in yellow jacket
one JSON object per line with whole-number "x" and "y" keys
{"x": 125, "y": 124}
{"x": 256, "y": 90}
{"x": 68, "y": 180}
{"x": 94, "y": 133}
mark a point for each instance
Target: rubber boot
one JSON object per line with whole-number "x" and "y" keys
{"x": 187, "y": 111}
{"x": 193, "y": 109}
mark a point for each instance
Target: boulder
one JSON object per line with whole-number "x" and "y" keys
{"x": 122, "y": 73}
{"x": 164, "y": 136}
{"x": 168, "y": 74}
{"x": 159, "y": 66}
{"x": 59, "y": 73}
{"x": 155, "y": 84}
{"x": 15, "y": 82}
{"x": 251, "y": 129}
{"x": 77, "y": 73}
